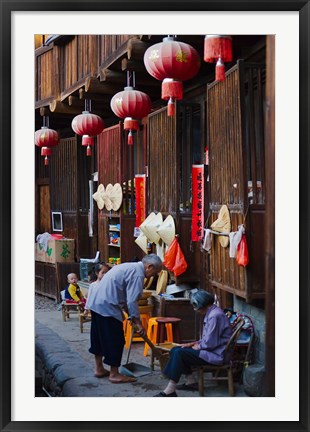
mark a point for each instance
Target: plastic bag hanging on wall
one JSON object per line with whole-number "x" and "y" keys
{"x": 174, "y": 259}
{"x": 242, "y": 257}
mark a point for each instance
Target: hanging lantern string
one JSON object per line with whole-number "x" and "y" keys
{"x": 88, "y": 105}
{"x": 46, "y": 121}
{"x": 134, "y": 79}
{"x": 131, "y": 79}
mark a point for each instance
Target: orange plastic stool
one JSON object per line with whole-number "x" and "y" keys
{"x": 145, "y": 313}
{"x": 152, "y": 329}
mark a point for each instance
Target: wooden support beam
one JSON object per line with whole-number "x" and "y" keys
{"x": 133, "y": 65}
{"x": 81, "y": 93}
{"x": 44, "y": 111}
{"x": 136, "y": 49}
{"x": 62, "y": 108}
{"x": 75, "y": 101}
{"x": 112, "y": 76}
{"x": 93, "y": 85}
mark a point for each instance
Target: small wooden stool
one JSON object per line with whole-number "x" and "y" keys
{"x": 162, "y": 326}
{"x": 67, "y": 308}
{"x": 84, "y": 319}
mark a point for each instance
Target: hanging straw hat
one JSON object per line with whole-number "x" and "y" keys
{"x": 150, "y": 228}
{"x": 116, "y": 196}
{"x": 146, "y": 221}
{"x": 166, "y": 230}
{"x": 107, "y": 201}
{"x": 162, "y": 282}
{"x": 222, "y": 225}
{"x": 142, "y": 242}
{"x": 99, "y": 195}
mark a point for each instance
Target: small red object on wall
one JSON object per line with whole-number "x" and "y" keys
{"x": 140, "y": 183}
{"x": 197, "y": 202}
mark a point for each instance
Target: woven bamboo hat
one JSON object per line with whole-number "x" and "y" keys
{"x": 222, "y": 225}
{"x": 107, "y": 201}
{"x": 151, "y": 227}
{"x": 141, "y": 241}
{"x": 99, "y": 195}
{"x": 116, "y": 196}
{"x": 162, "y": 282}
{"x": 166, "y": 230}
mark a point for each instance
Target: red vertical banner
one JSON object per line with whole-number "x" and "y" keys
{"x": 197, "y": 202}
{"x": 140, "y": 181}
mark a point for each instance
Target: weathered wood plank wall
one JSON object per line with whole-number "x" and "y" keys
{"x": 235, "y": 141}
{"x": 163, "y": 176}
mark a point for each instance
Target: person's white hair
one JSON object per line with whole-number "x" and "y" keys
{"x": 152, "y": 259}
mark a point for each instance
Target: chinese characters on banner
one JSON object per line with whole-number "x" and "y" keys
{"x": 140, "y": 181}
{"x": 197, "y": 202}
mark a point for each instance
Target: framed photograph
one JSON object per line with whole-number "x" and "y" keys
{"x": 288, "y": 407}
{"x": 57, "y": 221}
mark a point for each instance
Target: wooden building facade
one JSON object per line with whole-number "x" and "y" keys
{"x": 227, "y": 118}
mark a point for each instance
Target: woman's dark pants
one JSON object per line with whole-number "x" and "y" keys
{"x": 181, "y": 361}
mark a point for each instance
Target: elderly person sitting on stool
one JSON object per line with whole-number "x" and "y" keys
{"x": 208, "y": 350}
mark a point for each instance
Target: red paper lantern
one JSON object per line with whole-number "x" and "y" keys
{"x": 46, "y": 138}
{"x": 218, "y": 48}
{"x": 131, "y": 105}
{"x": 175, "y": 61}
{"x": 87, "y": 125}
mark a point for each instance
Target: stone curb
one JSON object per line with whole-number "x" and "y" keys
{"x": 57, "y": 364}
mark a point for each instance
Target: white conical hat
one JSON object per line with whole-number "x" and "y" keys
{"x": 142, "y": 242}
{"x": 99, "y": 195}
{"x": 146, "y": 221}
{"x": 222, "y": 224}
{"x": 116, "y": 196}
{"x": 150, "y": 228}
{"x": 166, "y": 230}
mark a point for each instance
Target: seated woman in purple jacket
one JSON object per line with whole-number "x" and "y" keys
{"x": 209, "y": 349}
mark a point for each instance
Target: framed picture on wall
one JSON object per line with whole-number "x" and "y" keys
{"x": 57, "y": 221}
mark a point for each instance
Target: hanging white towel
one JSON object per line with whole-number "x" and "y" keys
{"x": 207, "y": 241}
{"x": 234, "y": 240}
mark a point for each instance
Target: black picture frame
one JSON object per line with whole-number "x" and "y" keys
{"x": 7, "y": 7}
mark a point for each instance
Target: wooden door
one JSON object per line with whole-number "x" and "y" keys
{"x": 44, "y": 208}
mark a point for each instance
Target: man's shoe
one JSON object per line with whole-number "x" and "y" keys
{"x": 163, "y": 394}
{"x": 192, "y": 387}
